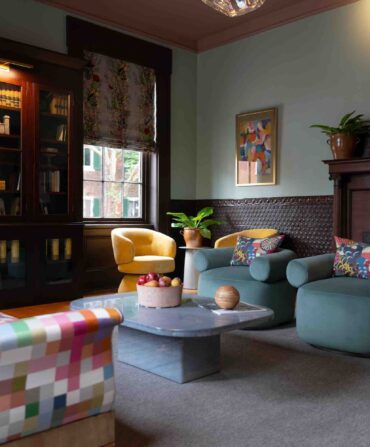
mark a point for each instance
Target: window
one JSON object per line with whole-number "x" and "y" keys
{"x": 113, "y": 183}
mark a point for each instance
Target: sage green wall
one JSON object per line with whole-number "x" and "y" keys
{"x": 313, "y": 70}
{"x": 44, "y": 26}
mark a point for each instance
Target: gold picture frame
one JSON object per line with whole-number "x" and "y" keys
{"x": 256, "y": 148}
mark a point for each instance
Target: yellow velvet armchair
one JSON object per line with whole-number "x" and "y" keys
{"x": 138, "y": 251}
{"x": 230, "y": 239}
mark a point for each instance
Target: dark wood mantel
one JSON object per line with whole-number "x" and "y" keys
{"x": 351, "y": 197}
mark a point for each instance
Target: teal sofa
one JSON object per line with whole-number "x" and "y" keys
{"x": 331, "y": 312}
{"x": 263, "y": 283}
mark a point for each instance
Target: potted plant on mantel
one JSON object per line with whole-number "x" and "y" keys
{"x": 194, "y": 228}
{"x": 344, "y": 138}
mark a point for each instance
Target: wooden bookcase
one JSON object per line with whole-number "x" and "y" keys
{"x": 41, "y": 243}
{"x": 351, "y": 214}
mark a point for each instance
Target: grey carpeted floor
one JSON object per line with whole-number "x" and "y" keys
{"x": 274, "y": 390}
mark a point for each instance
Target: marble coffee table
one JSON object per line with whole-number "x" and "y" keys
{"x": 180, "y": 343}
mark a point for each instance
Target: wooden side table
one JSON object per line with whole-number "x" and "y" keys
{"x": 191, "y": 275}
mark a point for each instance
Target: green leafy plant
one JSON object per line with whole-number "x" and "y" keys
{"x": 349, "y": 125}
{"x": 199, "y": 222}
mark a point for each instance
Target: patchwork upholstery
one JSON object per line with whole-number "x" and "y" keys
{"x": 4, "y": 318}
{"x": 55, "y": 369}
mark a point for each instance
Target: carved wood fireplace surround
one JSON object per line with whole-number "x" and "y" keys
{"x": 351, "y": 211}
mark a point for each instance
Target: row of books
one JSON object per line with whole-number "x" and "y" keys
{"x": 10, "y": 98}
{"x": 13, "y": 210}
{"x": 50, "y": 181}
{"x": 57, "y": 249}
{"x": 59, "y": 105}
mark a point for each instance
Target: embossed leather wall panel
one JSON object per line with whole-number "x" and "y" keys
{"x": 306, "y": 221}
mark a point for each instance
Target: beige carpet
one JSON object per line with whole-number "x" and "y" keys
{"x": 273, "y": 391}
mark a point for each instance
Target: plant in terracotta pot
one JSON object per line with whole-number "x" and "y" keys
{"x": 344, "y": 138}
{"x": 194, "y": 228}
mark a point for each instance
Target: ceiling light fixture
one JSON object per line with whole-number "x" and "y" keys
{"x": 234, "y": 8}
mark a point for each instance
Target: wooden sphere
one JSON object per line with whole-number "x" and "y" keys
{"x": 227, "y": 297}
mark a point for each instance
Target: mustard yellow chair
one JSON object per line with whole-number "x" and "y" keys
{"x": 138, "y": 251}
{"x": 230, "y": 239}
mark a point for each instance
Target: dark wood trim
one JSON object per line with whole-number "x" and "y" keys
{"x": 351, "y": 218}
{"x": 164, "y": 151}
{"x": 16, "y": 51}
{"x": 82, "y": 35}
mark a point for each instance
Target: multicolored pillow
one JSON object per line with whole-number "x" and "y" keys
{"x": 247, "y": 248}
{"x": 352, "y": 259}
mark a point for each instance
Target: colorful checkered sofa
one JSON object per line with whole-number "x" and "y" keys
{"x": 54, "y": 370}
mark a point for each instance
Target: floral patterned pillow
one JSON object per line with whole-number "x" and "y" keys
{"x": 352, "y": 259}
{"x": 247, "y": 248}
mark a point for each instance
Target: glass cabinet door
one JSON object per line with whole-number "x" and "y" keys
{"x": 12, "y": 264}
{"x": 54, "y": 112}
{"x": 58, "y": 260}
{"x": 10, "y": 149}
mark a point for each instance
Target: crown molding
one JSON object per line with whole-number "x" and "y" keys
{"x": 258, "y": 22}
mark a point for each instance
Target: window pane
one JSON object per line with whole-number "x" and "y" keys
{"x": 92, "y": 162}
{"x": 93, "y": 199}
{"x": 132, "y": 166}
{"x": 132, "y": 200}
{"x": 113, "y": 166}
{"x": 112, "y": 200}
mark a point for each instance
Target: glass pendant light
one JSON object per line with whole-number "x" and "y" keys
{"x": 234, "y": 8}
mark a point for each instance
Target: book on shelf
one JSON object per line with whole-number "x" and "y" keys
{"x": 239, "y": 309}
{"x": 19, "y": 182}
{"x": 10, "y": 98}
{"x": 61, "y": 134}
{"x": 50, "y": 150}
{"x": 59, "y": 105}
{"x": 15, "y": 207}
{"x": 50, "y": 181}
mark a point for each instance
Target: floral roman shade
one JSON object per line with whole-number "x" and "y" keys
{"x": 119, "y": 103}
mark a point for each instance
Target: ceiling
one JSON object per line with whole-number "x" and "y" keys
{"x": 191, "y": 24}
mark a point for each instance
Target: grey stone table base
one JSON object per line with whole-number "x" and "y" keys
{"x": 177, "y": 359}
{"x": 180, "y": 343}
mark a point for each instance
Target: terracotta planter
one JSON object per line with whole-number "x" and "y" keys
{"x": 192, "y": 237}
{"x": 343, "y": 146}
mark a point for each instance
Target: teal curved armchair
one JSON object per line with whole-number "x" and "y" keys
{"x": 263, "y": 283}
{"x": 331, "y": 312}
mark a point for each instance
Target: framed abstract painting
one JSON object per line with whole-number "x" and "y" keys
{"x": 256, "y": 148}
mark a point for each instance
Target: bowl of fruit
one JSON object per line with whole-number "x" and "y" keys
{"x": 154, "y": 290}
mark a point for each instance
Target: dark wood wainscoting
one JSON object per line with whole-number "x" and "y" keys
{"x": 306, "y": 221}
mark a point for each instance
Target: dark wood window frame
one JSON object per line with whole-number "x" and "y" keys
{"x": 81, "y": 36}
